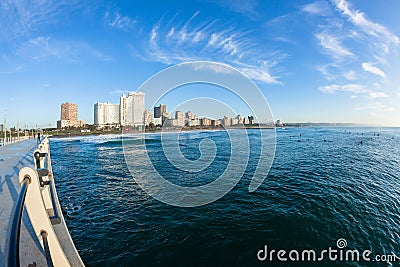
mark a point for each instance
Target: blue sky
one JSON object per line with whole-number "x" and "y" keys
{"x": 319, "y": 61}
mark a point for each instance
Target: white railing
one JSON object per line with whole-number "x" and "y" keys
{"x": 44, "y": 211}
{"x": 35, "y": 205}
{"x": 14, "y": 139}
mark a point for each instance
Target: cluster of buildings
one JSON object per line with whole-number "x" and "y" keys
{"x": 131, "y": 112}
{"x": 190, "y": 119}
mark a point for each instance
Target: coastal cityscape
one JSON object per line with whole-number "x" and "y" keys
{"x": 131, "y": 112}
{"x": 199, "y": 133}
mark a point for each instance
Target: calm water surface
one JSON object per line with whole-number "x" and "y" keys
{"x": 323, "y": 185}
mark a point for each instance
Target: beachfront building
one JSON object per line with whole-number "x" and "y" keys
{"x": 106, "y": 114}
{"x": 157, "y": 121}
{"x": 240, "y": 119}
{"x": 168, "y": 122}
{"x": 148, "y": 118}
{"x": 189, "y": 115}
{"x": 194, "y": 121}
{"x": 160, "y": 111}
{"x": 226, "y": 121}
{"x": 205, "y": 122}
{"x": 132, "y": 109}
{"x": 252, "y": 119}
{"x": 180, "y": 118}
{"x": 69, "y": 116}
{"x": 215, "y": 123}
{"x": 234, "y": 121}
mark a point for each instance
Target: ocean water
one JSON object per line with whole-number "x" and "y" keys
{"x": 324, "y": 185}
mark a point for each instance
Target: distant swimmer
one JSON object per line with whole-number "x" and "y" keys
{"x": 361, "y": 142}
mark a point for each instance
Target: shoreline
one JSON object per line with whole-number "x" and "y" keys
{"x": 169, "y": 130}
{"x": 176, "y": 130}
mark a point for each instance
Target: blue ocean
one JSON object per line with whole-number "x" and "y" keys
{"x": 325, "y": 184}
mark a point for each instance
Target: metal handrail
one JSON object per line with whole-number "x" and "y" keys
{"x": 38, "y": 198}
{"x": 44, "y": 171}
{"x": 13, "y": 253}
{"x": 49, "y": 260}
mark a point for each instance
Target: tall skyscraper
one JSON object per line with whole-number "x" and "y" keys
{"x": 69, "y": 111}
{"x": 180, "y": 118}
{"x": 69, "y": 116}
{"x": 122, "y": 109}
{"x": 132, "y": 109}
{"x": 106, "y": 113}
{"x": 226, "y": 121}
{"x": 160, "y": 111}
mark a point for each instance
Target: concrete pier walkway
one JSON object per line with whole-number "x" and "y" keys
{"x": 12, "y": 158}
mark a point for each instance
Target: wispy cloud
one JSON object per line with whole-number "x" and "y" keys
{"x": 217, "y": 68}
{"x": 319, "y": 8}
{"x": 360, "y": 20}
{"x": 333, "y": 46}
{"x": 247, "y": 8}
{"x": 369, "y": 67}
{"x": 354, "y": 89}
{"x": 114, "y": 19}
{"x": 43, "y": 47}
{"x": 350, "y": 75}
{"x": 211, "y": 40}
{"x": 22, "y": 24}
{"x": 20, "y": 19}
{"x": 355, "y": 45}
{"x": 376, "y": 107}
{"x": 118, "y": 92}
{"x": 374, "y": 94}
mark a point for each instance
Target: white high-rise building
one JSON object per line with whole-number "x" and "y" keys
{"x": 148, "y": 117}
{"x": 180, "y": 118}
{"x": 132, "y": 109}
{"x": 106, "y": 114}
{"x": 122, "y": 109}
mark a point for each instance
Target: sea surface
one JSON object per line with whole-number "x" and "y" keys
{"x": 325, "y": 184}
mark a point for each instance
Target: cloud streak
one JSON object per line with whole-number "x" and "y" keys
{"x": 356, "y": 46}
{"x": 369, "y": 67}
{"x": 319, "y": 8}
{"x": 115, "y": 19}
{"x": 210, "y": 40}
{"x": 360, "y": 20}
{"x": 353, "y": 88}
{"x": 333, "y": 45}
{"x": 43, "y": 47}
{"x": 19, "y": 19}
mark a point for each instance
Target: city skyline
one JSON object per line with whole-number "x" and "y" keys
{"x": 314, "y": 61}
{"x": 106, "y": 114}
